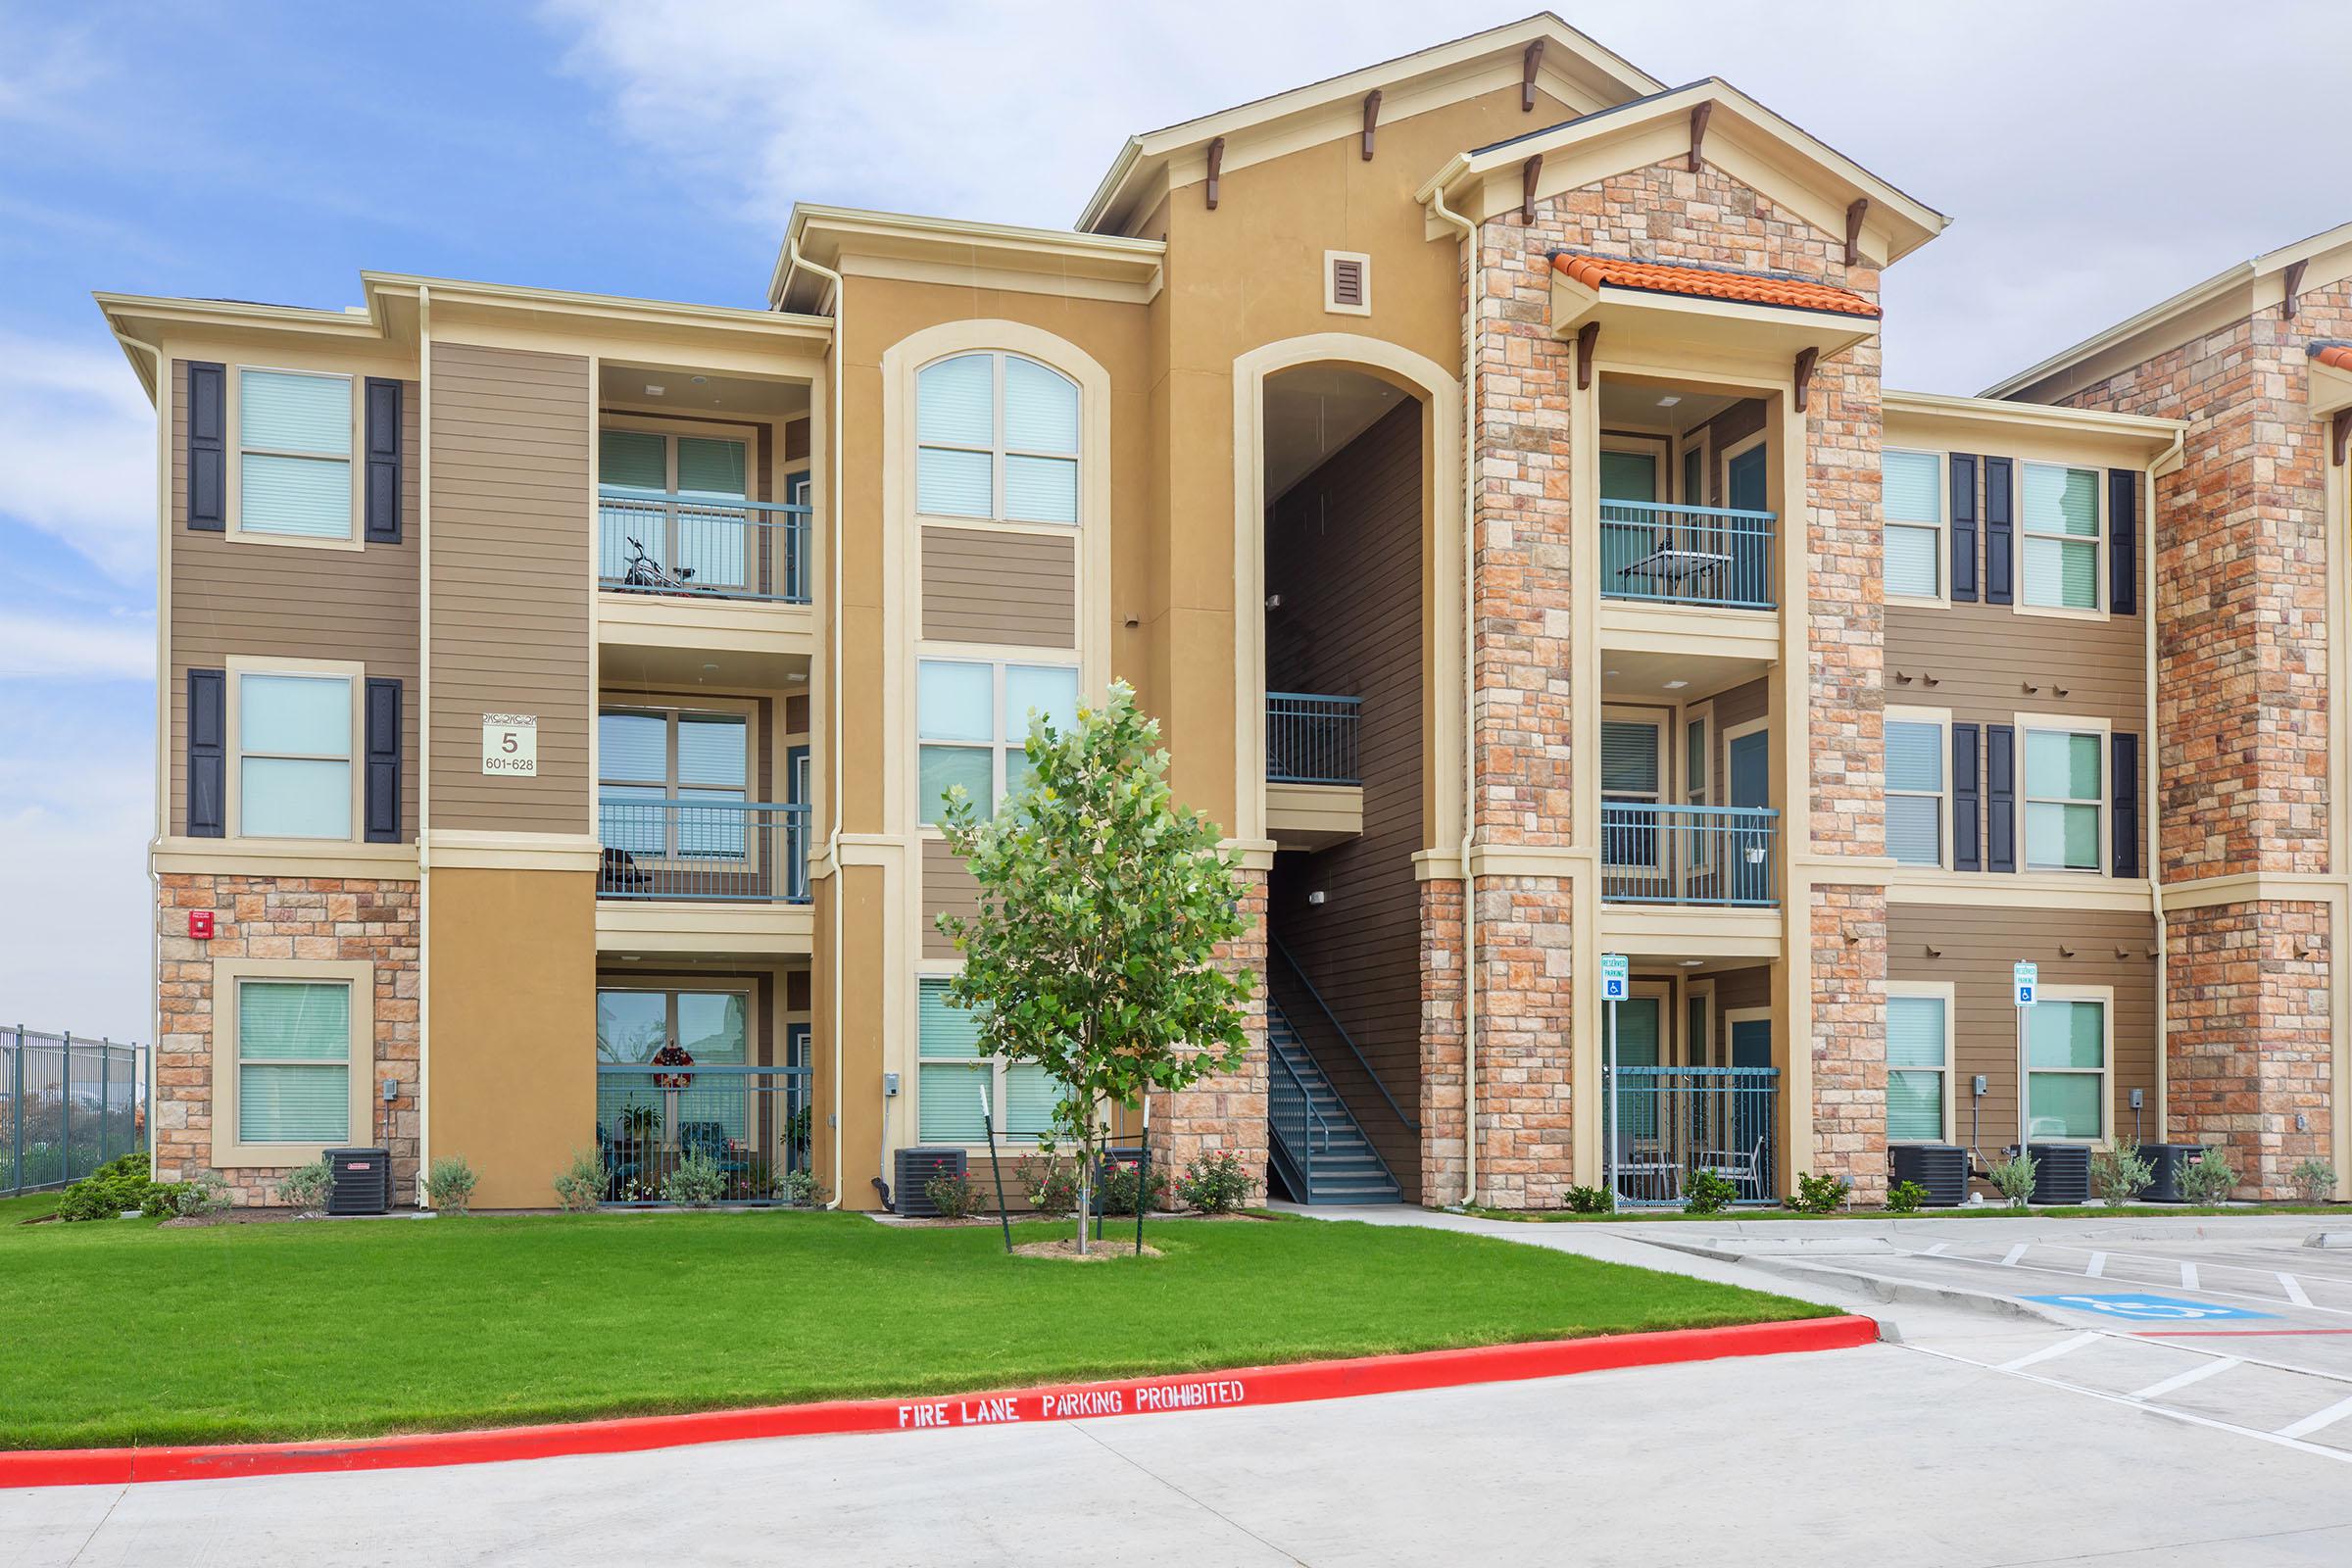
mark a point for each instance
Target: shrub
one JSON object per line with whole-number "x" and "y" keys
{"x": 2118, "y": 1175}
{"x": 1820, "y": 1195}
{"x": 449, "y": 1185}
{"x": 2207, "y": 1180}
{"x": 1051, "y": 1184}
{"x": 581, "y": 1185}
{"x": 1591, "y": 1201}
{"x": 954, "y": 1197}
{"x": 1906, "y": 1197}
{"x": 800, "y": 1188}
{"x": 695, "y": 1182}
{"x": 2012, "y": 1172}
{"x": 107, "y": 1191}
{"x": 1706, "y": 1192}
{"x": 1215, "y": 1184}
{"x": 2316, "y": 1178}
{"x": 306, "y": 1187}
{"x": 1117, "y": 1186}
{"x": 202, "y": 1194}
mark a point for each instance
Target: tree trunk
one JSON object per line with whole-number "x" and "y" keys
{"x": 1085, "y": 1176}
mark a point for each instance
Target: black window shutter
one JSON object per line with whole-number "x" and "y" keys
{"x": 383, "y": 760}
{"x": 2000, "y": 798}
{"x": 2123, "y": 543}
{"x": 2000, "y": 547}
{"x": 208, "y": 752}
{"x": 1964, "y": 528}
{"x": 383, "y": 461}
{"x": 1966, "y": 810}
{"x": 208, "y": 452}
{"x": 2125, "y": 787}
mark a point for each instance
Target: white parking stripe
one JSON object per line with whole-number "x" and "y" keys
{"x": 2293, "y": 1288}
{"x": 1938, "y": 1249}
{"x": 2324, "y": 1418}
{"x": 2015, "y": 1252}
{"x": 2189, "y": 1276}
{"x": 2051, "y": 1352}
{"x": 2181, "y": 1380}
{"x": 2098, "y": 1265}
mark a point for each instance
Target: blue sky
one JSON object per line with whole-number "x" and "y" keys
{"x": 654, "y": 147}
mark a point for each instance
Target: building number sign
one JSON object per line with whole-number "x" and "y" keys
{"x": 510, "y": 744}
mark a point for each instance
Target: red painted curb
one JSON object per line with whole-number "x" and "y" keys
{"x": 1189, "y": 1391}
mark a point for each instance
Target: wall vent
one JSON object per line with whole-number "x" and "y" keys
{"x": 1348, "y": 282}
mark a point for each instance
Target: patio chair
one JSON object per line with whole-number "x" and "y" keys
{"x": 620, "y": 873}
{"x": 1647, "y": 1171}
{"x": 711, "y": 1138}
{"x": 1743, "y": 1170}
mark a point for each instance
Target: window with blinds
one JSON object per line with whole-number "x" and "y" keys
{"x": 951, "y": 1074}
{"x": 996, "y": 437}
{"x": 294, "y": 436}
{"x": 1914, "y": 537}
{"x": 972, "y": 722}
{"x": 2066, "y": 1068}
{"x": 1918, "y": 1067}
{"x": 1915, "y": 792}
{"x": 2065, "y": 799}
{"x": 293, "y": 1061}
{"x": 2060, "y": 521}
{"x": 294, "y": 776}
{"x": 1630, "y": 776}
{"x": 673, "y": 782}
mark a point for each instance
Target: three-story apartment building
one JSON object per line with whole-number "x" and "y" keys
{"x": 1478, "y": 465}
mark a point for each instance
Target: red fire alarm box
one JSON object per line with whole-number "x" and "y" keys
{"x": 200, "y": 924}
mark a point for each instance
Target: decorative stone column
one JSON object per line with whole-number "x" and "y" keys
{"x": 1225, "y": 1112}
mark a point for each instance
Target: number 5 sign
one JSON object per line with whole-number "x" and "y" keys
{"x": 510, "y": 744}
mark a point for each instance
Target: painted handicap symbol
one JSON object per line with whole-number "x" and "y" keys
{"x": 2144, "y": 1308}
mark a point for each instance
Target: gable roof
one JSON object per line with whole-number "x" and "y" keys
{"x": 1711, "y": 283}
{"x": 1574, "y": 70}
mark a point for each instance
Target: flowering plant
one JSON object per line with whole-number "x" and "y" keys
{"x": 673, "y": 1056}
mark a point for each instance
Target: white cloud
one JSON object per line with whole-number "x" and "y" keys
{"x": 41, "y": 646}
{"x": 77, "y": 447}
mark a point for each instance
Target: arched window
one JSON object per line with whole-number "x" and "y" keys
{"x": 996, "y": 437}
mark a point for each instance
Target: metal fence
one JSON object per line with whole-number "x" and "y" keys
{"x": 1298, "y": 1127}
{"x": 704, "y": 851}
{"x": 1668, "y": 1123}
{"x": 1710, "y": 854}
{"x": 68, "y": 1105}
{"x": 1686, "y": 554}
{"x": 717, "y": 549}
{"x": 1311, "y": 739}
{"x": 753, "y": 1122}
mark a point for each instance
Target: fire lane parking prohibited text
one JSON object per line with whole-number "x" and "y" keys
{"x": 1075, "y": 1403}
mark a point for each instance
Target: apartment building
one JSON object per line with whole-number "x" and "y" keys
{"x": 1478, "y": 465}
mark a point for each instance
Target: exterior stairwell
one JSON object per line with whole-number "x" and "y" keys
{"x": 1319, "y": 1152}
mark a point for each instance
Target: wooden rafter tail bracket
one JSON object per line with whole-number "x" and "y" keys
{"x": 1528, "y": 63}
{"x": 1805, "y": 359}
{"x": 1588, "y": 339}
{"x": 1529, "y": 173}
{"x": 2294, "y": 289}
{"x": 2339, "y": 434}
{"x": 1217, "y": 169}
{"x": 1854, "y": 215}
{"x": 1371, "y": 118}
{"x": 1698, "y": 131}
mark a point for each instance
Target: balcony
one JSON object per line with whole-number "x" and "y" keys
{"x": 702, "y": 851}
{"x": 1718, "y": 557}
{"x": 702, "y": 547}
{"x": 1314, "y": 791}
{"x": 751, "y": 1122}
{"x": 1719, "y": 857}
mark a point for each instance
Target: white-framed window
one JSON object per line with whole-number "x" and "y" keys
{"x": 294, "y": 433}
{"x": 1914, "y": 552}
{"x": 293, "y": 1061}
{"x": 996, "y": 437}
{"x": 2059, "y": 519}
{"x": 971, "y": 719}
{"x": 951, "y": 1074}
{"x": 2064, "y": 790}
{"x": 293, "y": 732}
{"x": 673, "y": 781}
{"x": 1919, "y": 1062}
{"x": 1915, "y": 815}
{"x": 2067, "y": 1036}
{"x": 713, "y": 1026}
{"x": 1698, "y": 756}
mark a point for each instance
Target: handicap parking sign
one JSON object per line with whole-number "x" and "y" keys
{"x": 1616, "y": 983}
{"x": 2142, "y": 1308}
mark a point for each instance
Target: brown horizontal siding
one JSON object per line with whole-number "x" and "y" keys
{"x": 983, "y": 585}
{"x": 238, "y": 599}
{"x": 511, "y": 434}
{"x": 948, "y": 889}
{"x": 1975, "y": 950}
{"x": 1982, "y": 658}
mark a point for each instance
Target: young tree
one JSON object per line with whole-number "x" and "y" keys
{"x": 1093, "y": 952}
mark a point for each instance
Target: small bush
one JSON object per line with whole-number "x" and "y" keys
{"x": 1117, "y": 1185}
{"x": 2013, "y": 1176}
{"x": 581, "y": 1185}
{"x": 954, "y": 1197}
{"x": 1215, "y": 1184}
{"x": 1591, "y": 1201}
{"x": 1051, "y": 1184}
{"x": 1706, "y": 1192}
{"x": 449, "y": 1185}
{"x": 202, "y": 1194}
{"x": 1906, "y": 1197}
{"x": 1820, "y": 1195}
{"x": 800, "y": 1188}
{"x": 162, "y": 1200}
{"x": 2207, "y": 1179}
{"x": 2118, "y": 1175}
{"x": 306, "y": 1187}
{"x": 695, "y": 1182}
{"x": 2314, "y": 1179}
{"x": 107, "y": 1192}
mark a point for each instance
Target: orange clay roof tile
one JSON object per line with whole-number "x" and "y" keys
{"x": 2336, "y": 356}
{"x": 1704, "y": 282}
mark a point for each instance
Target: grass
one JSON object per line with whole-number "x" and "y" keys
{"x": 29, "y": 1206}
{"x": 1647, "y": 1217}
{"x": 122, "y": 1332}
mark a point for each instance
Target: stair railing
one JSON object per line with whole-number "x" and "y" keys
{"x": 1296, "y": 1124}
{"x": 1411, "y": 1123}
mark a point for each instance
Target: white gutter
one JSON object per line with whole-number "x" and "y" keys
{"x": 794, "y": 260}
{"x": 1477, "y": 277}
{"x": 424, "y": 734}
{"x": 162, "y": 708}
{"x": 2167, "y": 462}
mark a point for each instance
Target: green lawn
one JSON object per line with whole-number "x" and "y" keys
{"x": 30, "y": 1205}
{"x": 120, "y": 1332}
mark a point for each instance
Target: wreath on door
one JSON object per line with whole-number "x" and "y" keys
{"x": 673, "y": 1056}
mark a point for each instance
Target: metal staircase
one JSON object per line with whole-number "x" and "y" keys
{"x": 1319, "y": 1152}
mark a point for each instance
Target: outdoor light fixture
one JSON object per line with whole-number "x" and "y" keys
{"x": 1676, "y": 685}
{"x": 1315, "y": 897}
{"x": 651, "y": 391}
{"x": 1669, "y": 400}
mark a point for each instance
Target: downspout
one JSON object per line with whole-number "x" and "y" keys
{"x": 424, "y": 734}
{"x": 793, "y": 261}
{"x": 163, "y": 713}
{"x": 1475, "y": 277}
{"x": 2165, "y": 463}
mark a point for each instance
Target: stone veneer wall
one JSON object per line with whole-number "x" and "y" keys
{"x": 279, "y": 917}
{"x": 2238, "y": 1086}
{"x": 1225, "y": 1112}
{"x": 1440, "y": 1110}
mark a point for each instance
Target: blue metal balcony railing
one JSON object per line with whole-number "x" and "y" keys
{"x": 1668, "y": 1123}
{"x": 1686, "y": 554}
{"x": 711, "y": 549}
{"x": 751, "y": 1122}
{"x": 1714, "y": 854}
{"x": 1311, "y": 739}
{"x": 703, "y": 851}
